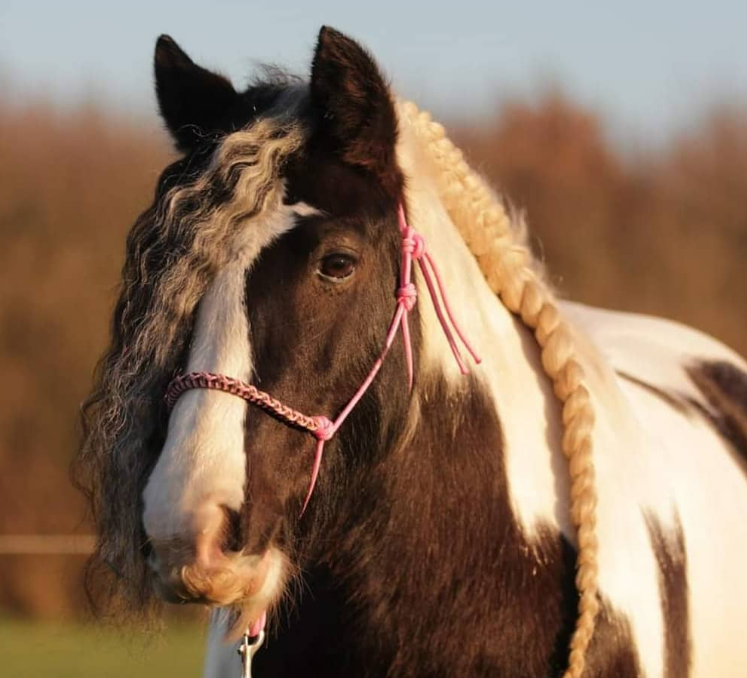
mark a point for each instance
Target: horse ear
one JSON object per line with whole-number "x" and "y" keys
{"x": 192, "y": 99}
{"x": 355, "y": 113}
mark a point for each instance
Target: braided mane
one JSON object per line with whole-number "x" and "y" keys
{"x": 506, "y": 263}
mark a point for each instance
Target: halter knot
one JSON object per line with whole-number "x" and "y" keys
{"x": 407, "y": 295}
{"x": 413, "y": 243}
{"x": 325, "y": 428}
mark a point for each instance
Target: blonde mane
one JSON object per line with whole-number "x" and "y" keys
{"x": 506, "y": 262}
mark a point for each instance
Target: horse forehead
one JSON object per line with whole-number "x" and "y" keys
{"x": 334, "y": 188}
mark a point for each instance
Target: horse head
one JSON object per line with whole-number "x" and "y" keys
{"x": 271, "y": 255}
{"x": 256, "y": 417}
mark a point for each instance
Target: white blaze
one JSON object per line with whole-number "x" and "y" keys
{"x": 202, "y": 466}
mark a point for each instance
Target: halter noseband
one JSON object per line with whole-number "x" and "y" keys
{"x": 322, "y": 428}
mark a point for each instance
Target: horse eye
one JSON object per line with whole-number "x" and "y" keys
{"x": 337, "y": 266}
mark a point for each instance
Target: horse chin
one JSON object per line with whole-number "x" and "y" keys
{"x": 249, "y": 608}
{"x": 248, "y": 584}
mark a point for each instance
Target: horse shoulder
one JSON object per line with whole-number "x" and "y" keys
{"x": 672, "y": 484}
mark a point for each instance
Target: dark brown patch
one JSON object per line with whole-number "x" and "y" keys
{"x": 419, "y": 567}
{"x": 612, "y": 653}
{"x": 724, "y": 387}
{"x": 671, "y": 556}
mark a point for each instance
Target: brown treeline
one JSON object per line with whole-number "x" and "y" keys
{"x": 660, "y": 230}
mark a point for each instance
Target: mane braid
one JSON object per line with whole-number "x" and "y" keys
{"x": 506, "y": 263}
{"x": 173, "y": 252}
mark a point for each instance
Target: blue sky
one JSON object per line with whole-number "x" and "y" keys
{"x": 649, "y": 67}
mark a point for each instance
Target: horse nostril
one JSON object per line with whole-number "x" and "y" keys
{"x": 149, "y": 556}
{"x": 232, "y": 539}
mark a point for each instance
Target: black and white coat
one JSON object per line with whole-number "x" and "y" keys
{"x": 464, "y": 565}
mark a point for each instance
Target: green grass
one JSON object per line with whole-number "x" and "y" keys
{"x": 30, "y": 649}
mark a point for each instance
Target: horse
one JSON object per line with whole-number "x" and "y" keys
{"x": 494, "y": 482}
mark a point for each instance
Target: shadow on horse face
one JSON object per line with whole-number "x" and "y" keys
{"x": 301, "y": 310}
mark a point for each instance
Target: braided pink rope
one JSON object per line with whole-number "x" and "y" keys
{"x": 322, "y": 428}
{"x": 252, "y": 394}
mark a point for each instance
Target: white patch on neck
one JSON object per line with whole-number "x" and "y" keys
{"x": 650, "y": 458}
{"x": 510, "y": 371}
{"x": 202, "y": 466}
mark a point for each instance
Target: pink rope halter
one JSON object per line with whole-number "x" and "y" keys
{"x": 322, "y": 428}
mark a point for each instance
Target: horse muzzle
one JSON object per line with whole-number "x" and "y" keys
{"x": 197, "y": 564}
{"x": 220, "y": 579}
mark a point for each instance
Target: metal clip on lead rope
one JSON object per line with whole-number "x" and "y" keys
{"x": 247, "y": 649}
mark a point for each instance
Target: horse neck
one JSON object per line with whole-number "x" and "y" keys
{"x": 455, "y": 524}
{"x": 509, "y": 387}
{"x": 445, "y": 536}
